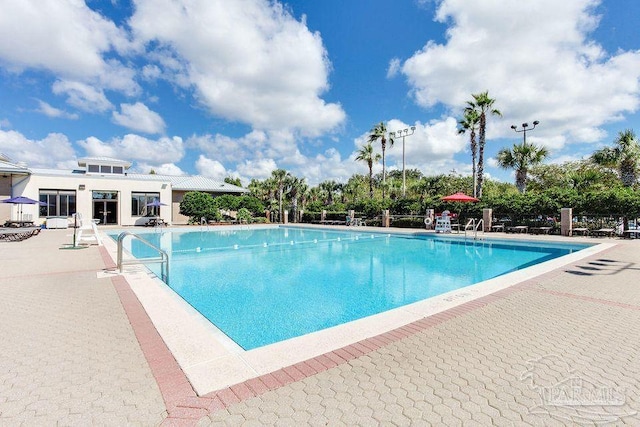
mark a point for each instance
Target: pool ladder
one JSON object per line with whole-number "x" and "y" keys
{"x": 474, "y": 225}
{"x": 163, "y": 258}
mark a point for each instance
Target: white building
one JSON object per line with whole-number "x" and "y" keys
{"x": 101, "y": 188}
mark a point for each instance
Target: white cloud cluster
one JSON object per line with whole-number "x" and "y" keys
{"x": 139, "y": 117}
{"x": 135, "y": 147}
{"x": 68, "y": 39}
{"x": 55, "y": 150}
{"x": 269, "y": 74}
{"x": 535, "y": 59}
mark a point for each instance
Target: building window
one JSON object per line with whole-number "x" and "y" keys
{"x": 139, "y": 202}
{"x": 118, "y": 170}
{"x": 93, "y": 168}
{"x": 105, "y": 169}
{"x": 58, "y": 203}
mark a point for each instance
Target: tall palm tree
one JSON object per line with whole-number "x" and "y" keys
{"x": 483, "y": 105}
{"x": 624, "y": 157}
{"x": 379, "y": 131}
{"x": 280, "y": 179}
{"x": 520, "y": 158}
{"x": 297, "y": 187}
{"x": 366, "y": 154}
{"x": 469, "y": 123}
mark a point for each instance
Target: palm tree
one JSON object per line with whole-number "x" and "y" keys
{"x": 366, "y": 154}
{"x": 470, "y": 123}
{"x": 625, "y": 157}
{"x": 280, "y": 179}
{"x": 379, "y": 131}
{"x": 483, "y": 105}
{"x": 297, "y": 187}
{"x": 521, "y": 157}
{"x": 329, "y": 188}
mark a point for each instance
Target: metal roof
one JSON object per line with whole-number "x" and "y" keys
{"x": 194, "y": 183}
{"x": 9, "y": 167}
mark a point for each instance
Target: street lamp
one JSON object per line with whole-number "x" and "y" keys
{"x": 525, "y": 128}
{"x": 403, "y": 133}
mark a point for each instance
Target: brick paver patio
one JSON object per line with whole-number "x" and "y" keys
{"x": 71, "y": 355}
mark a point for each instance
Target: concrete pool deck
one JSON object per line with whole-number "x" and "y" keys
{"x": 79, "y": 348}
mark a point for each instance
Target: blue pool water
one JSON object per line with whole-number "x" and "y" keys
{"x": 268, "y": 285}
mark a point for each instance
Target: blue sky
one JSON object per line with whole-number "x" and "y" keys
{"x": 239, "y": 88}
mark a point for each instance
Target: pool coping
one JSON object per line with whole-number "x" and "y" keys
{"x": 212, "y": 362}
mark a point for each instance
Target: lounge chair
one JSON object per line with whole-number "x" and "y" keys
{"x": 604, "y": 232}
{"x": 580, "y": 231}
{"x": 17, "y": 234}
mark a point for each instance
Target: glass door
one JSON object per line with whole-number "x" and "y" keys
{"x": 105, "y": 207}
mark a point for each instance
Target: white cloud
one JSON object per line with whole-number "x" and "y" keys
{"x": 394, "y": 68}
{"x": 51, "y": 111}
{"x": 270, "y": 74}
{"x": 535, "y": 59}
{"x": 258, "y": 169}
{"x": 82, "y": 96}
{"x": 53, "y": 151}
{"x": 226, "y": 148}
{"x": 160, "y": 169}
{"x": 135, "y": 147}
{"x": 139, "y": 117}
{"x": 67, "y": 38}
{"x": 211, "y": 168}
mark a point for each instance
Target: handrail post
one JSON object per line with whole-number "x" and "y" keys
{"x": 164, "y": 257}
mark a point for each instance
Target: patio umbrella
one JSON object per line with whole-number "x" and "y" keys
{"x": 21, "y": 200}
{"x": 156, "y": 203}
{"x": 459, "y": 197}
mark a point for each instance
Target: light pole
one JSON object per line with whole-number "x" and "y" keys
{"x": 403, "y": 133}
{"x": 524, "y": 129}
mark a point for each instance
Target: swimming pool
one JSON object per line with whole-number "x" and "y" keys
{"x": 268, "y": 285}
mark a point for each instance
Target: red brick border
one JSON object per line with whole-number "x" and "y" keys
{"x": 185, "y": 407}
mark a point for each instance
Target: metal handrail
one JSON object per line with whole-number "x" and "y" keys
{"x": 474, "y": 226}
{"x": 164, "y": 257}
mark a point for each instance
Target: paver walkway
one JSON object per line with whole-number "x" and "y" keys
{"x": 560, "y": 349}
{"x": 68, "y": 354}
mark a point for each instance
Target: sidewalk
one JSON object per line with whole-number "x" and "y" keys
{"x": 558, "y": 349}
{"x": 68, "y": 353}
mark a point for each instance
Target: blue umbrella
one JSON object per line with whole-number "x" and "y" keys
{"x": 156, "y": 203}
{"x": 21, "y": 200}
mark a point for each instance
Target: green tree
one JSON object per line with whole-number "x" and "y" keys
{"x": 197, "y": 205}
{"x": 520, "y": 158}
{"x": 233, "y": 181}
{"x": 329, "y": 188}
{"x": 379, "y": 131}
{"x": 469, "y": 123}
{"x": 367, "y": 155}
{"x": 483, "y": 105}
{"x": 624, "y": 157}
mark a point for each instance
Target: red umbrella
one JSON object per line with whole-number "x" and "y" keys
{"x": 459, "y": 197}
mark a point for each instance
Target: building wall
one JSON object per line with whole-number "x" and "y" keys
{"x": 5, "y": 193}
{"x": 178, "y": 218}
{"x": 84, "y": 197}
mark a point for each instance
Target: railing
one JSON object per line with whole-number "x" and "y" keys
{"x": 475, "y": 226}
{"x": 163, "y": 258}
